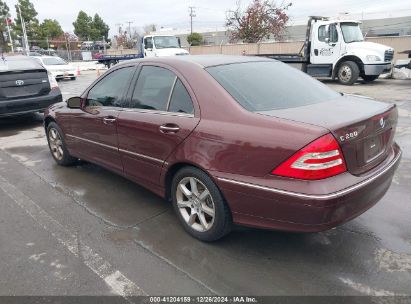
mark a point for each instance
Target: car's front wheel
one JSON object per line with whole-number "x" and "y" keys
{"x": 199, "y": 205}
{"x": 57, "y": 146}
{"x": 348, "y": 73}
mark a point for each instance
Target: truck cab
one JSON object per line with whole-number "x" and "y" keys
{"x": 161, "y": 46}
{"x": 337, "y": 49}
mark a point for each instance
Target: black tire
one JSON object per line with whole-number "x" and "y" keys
{"x": 348, "y": 72}
{"x": 370, "y": 78}
{"x": 222, "y": 223}
{"x": 66, "y": 159}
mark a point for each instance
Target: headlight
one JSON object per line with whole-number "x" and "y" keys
{"x": 373, "y": 58}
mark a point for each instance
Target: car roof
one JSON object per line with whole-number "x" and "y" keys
{"x": 206, "y": 61}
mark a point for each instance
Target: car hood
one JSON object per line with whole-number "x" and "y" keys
{"x": 63, "y": 67}
{"x": 367, "y": 46}
{"x": 170, "y": 52}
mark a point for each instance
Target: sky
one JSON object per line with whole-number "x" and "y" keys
{"x": 210, "y": 14}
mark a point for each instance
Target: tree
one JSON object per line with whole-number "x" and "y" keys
{"x": 99, "y": 29}
{"x": 261, "y": 19}
{"x": 149, "y": 28}
{"x": 194, "y": 39}
{"x": 29, "y": 15}
{"x": 82, "y": 26}
{"x": 4, "y": 15}
{"x": 88, "y": 28}
{"x": 51, "y": 28}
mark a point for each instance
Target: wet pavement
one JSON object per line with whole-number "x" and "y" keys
{"x": 53, "y": 217}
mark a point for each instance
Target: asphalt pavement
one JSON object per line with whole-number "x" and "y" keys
{"x": 85, "y": 231}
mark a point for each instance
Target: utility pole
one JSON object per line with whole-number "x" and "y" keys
{"x": 129, "y": 27}
{"x": 192, "y": 15}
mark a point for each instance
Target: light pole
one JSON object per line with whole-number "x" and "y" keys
{"x": 192, "y": 15}
{"x": 23, "y": 27}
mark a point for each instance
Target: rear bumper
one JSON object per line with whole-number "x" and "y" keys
{"x": 266, "y": 206}
{"x": 30, "y": 104}
{"x": 377, "y": 69}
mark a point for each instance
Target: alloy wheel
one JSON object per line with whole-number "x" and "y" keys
{"x": 195, "y": 204}
{"x": 56, "y": 144}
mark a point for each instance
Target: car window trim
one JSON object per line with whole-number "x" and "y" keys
{"x": 171, "y": 92}
{"x": 158, "y": 112}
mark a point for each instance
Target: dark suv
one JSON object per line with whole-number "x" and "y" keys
{"x": 25, "y": 86}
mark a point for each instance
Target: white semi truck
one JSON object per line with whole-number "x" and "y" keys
{"x": 150, "y": 46}
{"x": 336, "y": 48}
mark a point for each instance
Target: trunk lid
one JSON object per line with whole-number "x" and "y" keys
{"x": 363, "y": 127}
{"x": 24, "y": 83}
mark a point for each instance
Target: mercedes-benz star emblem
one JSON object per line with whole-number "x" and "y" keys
{"x": 382, "y": 122}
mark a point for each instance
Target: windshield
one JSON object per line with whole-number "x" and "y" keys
{"x": 162, "y": 42}
{"x": 53, "y": 61}
{"x": 351, "y": 32}
{"x": 265, "y": 86}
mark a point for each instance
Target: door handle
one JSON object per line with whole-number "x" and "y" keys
{"x": 109, "y": 120}
{"x": 169, "y": 128}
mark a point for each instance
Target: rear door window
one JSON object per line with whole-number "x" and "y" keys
{"x": 180, "y": 101}
{"x": 153, "y": 89}
{"x": 265, "y": 86}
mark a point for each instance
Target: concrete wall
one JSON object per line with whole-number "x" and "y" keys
{"x": 398, "y": 43}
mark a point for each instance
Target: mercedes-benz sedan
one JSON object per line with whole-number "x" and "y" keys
{"x": 233, "y": 140}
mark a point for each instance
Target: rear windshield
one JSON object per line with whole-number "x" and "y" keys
{"x": 265, "y": 86}
{"x": 18, "y": 64}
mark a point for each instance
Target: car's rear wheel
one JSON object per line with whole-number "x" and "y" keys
{"x": 58, "y": 146}
{"x": 199, "y": 205}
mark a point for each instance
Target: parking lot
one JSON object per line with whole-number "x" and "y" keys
{"x": 85, "y": 231}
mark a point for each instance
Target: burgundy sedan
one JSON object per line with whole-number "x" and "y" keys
{"x": 233, "y": 140}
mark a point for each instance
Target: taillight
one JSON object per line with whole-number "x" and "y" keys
{"x": 320, "y": 159}
{"x": 52, "y": 81}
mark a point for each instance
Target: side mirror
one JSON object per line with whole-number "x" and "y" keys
{"x": 74, "y": 102}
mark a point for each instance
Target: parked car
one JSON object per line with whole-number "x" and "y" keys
{"x": 25, "y": 86}
{"x": 58, "y": 67}
{"x": 34, "y": 54}
{"x": 233, "y": 139}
